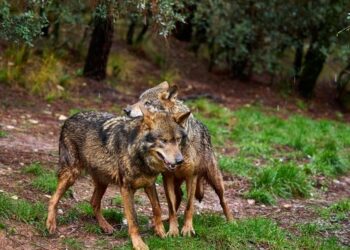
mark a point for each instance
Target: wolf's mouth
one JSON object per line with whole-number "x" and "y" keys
{"x": 167, "y": 163}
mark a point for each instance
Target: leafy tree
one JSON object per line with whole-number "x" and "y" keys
{"x": 21, "y": 23}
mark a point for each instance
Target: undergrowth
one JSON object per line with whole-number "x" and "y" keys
{"x": 279, "y": 156}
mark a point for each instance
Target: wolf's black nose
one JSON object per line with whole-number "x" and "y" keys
{"x": 179, "y": 160}
{"x": 127, "y": 111}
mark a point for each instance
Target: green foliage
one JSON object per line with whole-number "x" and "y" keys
{"x": 248, "y": 37}
{"x": 20, "y": 25}
{"x": 49, "y": 78}
{"x": 120, "y": 66}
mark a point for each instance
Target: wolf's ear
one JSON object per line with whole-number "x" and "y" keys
{"x": 163, "y": 85}
{"x": 173, "y": 90}
{"x": 147, "y": 117}
{"x": 181, "y": 118}
{"x": 170, "y": 94}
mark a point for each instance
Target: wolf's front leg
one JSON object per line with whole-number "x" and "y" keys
{"x": 187, "y": 229}
{"x": 157, "y": 212}
{"x": 171, "y": 198}
{"x": 130, "y": 214}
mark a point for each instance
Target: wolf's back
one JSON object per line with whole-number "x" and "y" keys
{"x": 74, "y": 133}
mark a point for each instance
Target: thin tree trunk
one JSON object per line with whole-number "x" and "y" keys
{"x": 131, "y": 31}
{"x": 313, "y": 65}
{"x": 99, "y": 48}
{"x": 298, "y": 59}
{"x": 143, "y": 31}
{"x": 46, "y": 27}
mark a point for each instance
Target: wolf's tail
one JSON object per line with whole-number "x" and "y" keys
{"x": 200, "y": 189}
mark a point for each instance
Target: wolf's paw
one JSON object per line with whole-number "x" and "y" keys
{"x": 139, "y": 245}
{"x": 51, "y": 225}
{"x": 173, "y": 232}
{"x": 160, "y": 231}
{"x": 107, "y": 228}
{"x": 187, "y": 230}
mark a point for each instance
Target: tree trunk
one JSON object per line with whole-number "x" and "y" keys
{"x": 143, "y": 31}
{"x": 183, "y": 31}
{"x": 298, "y": 59}
{"x": 45, "y": 28}
{"x": 131, "y": 31}
{"x": 100, "y": 45}
{"x": 313, "y": 65}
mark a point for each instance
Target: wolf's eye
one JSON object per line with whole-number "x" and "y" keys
{"x": 164, "y": 141}
{"x": 148, "y": 103}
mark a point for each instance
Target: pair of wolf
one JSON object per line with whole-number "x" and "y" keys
{"x": 159, "y": 135}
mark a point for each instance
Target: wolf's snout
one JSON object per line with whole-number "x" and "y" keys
{"x": 127, "y": 110}
{"x": 179, "y": 159}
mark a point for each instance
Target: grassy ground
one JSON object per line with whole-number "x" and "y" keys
{"x": 280, "y": 156}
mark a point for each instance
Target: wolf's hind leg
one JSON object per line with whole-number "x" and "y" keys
{"x": 216, "y": 181}
{"x": 66, "y": 179}
{"x": 96, "y": 198}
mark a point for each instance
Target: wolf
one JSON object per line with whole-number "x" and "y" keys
{"x": 128, "y": 152}
{"x": 199, "y": 159}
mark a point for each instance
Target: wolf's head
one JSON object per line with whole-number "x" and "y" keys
{"x": 159, "y": 98}
{"x": 161, "y": 138}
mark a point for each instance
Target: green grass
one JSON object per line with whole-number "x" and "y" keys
{"x": 338, "y": 211}
{"x": 279, "y": 156}
{"x": 74, "y": 111}
{"x": 213, "y": 232}
{"x": 34, "y": 168}
{"x": 281, "y": 180}
{"x": 24, "y": 211}
{"x": 72, "y": 243}
{"x": 84, "y": 209}
{"x": 46, "y": 182}
{"x": 3, "y": 134}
